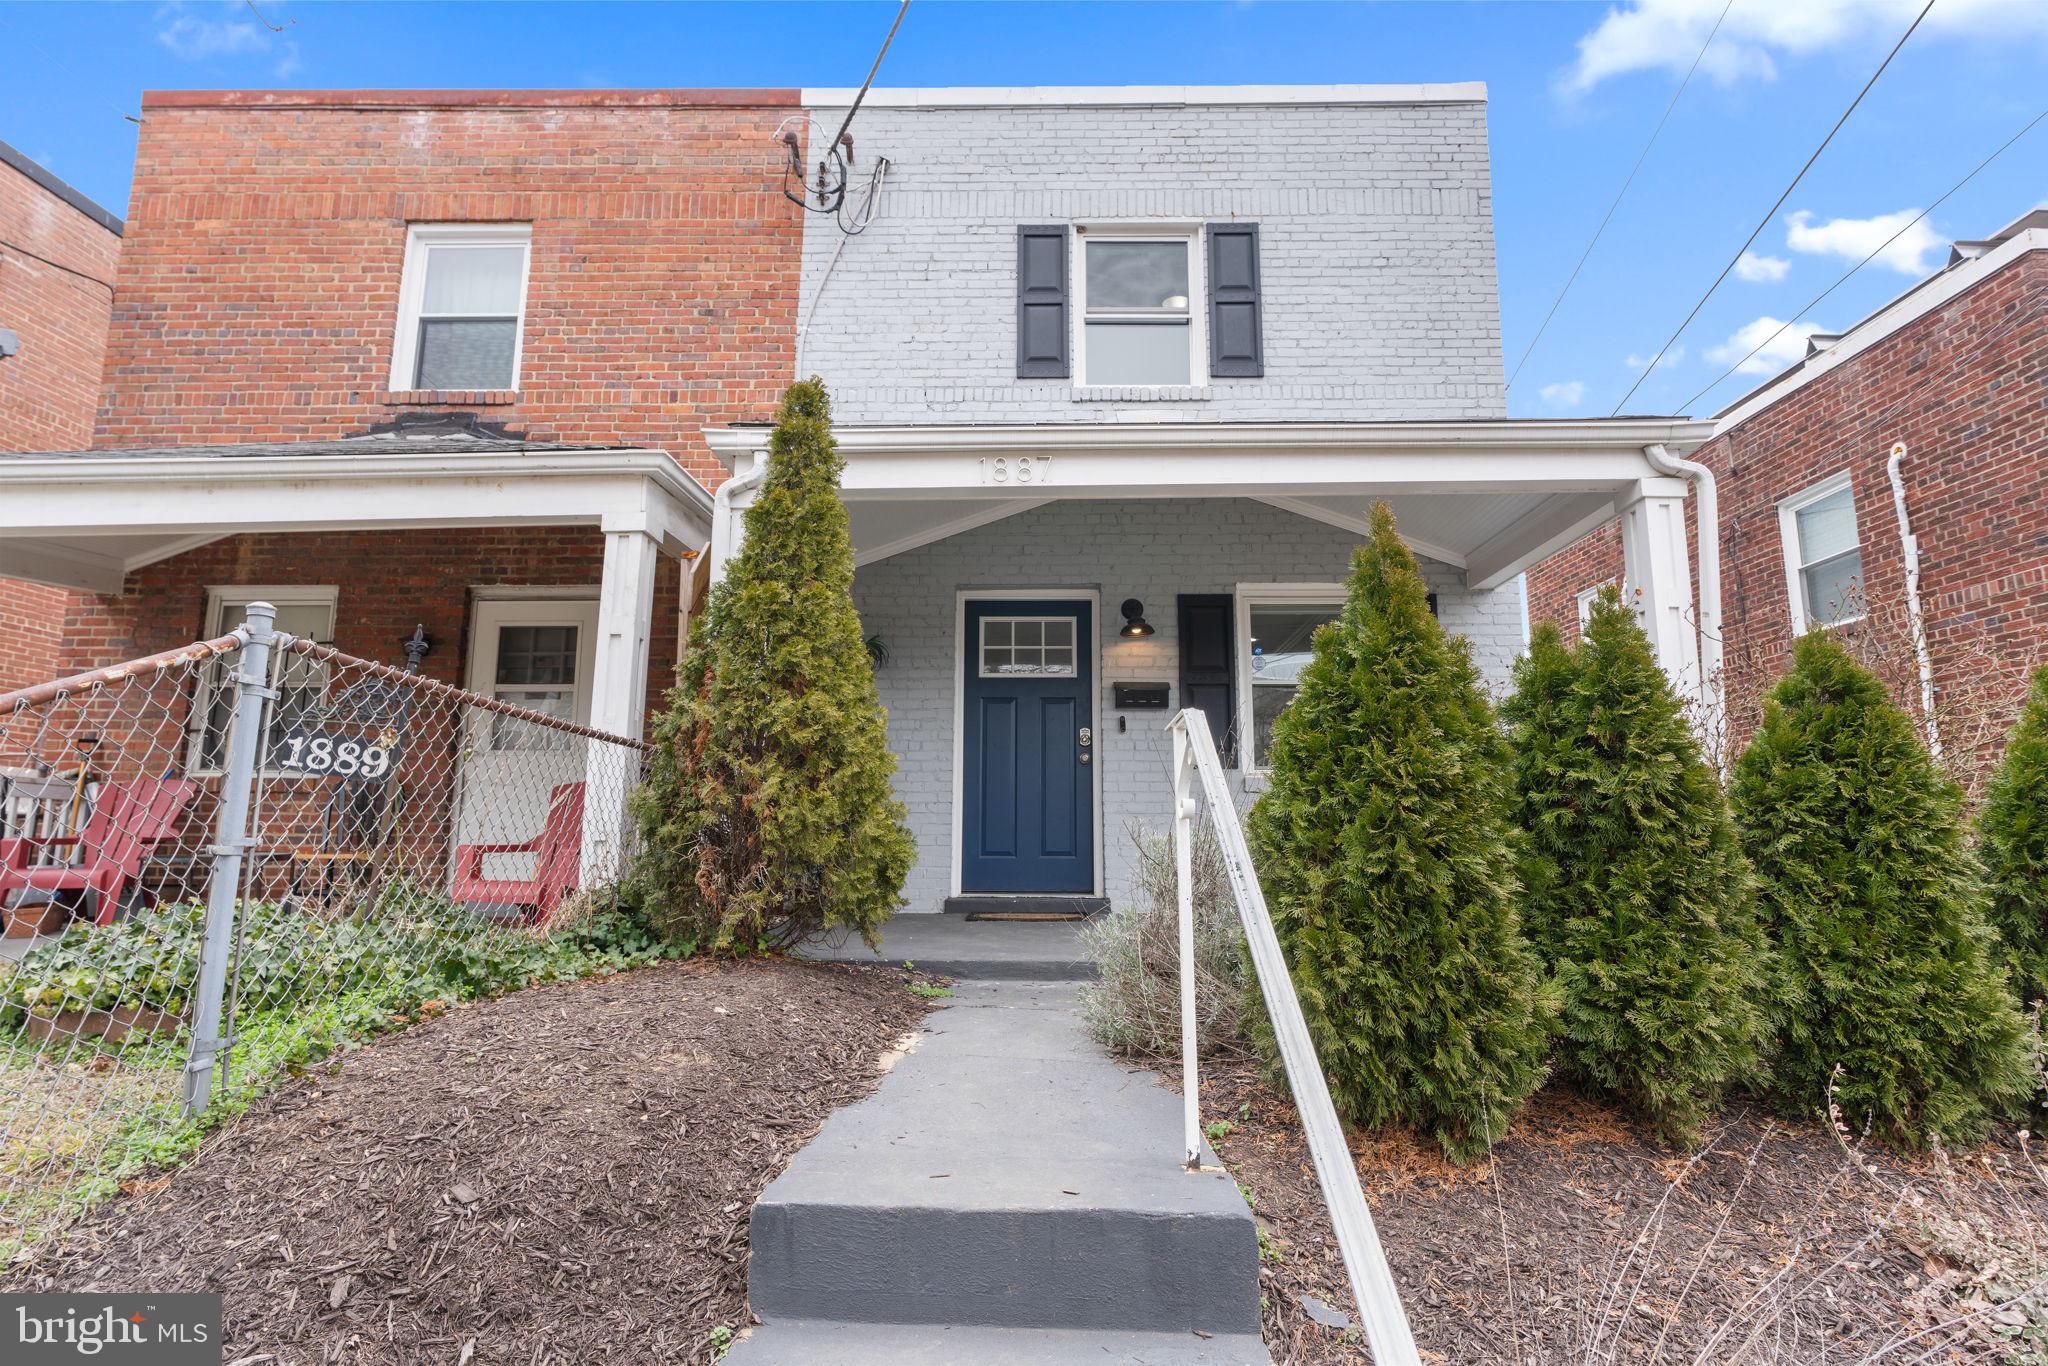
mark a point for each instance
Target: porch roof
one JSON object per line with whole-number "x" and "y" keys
{"x": 1487, "y": 496}
{"x": 86, "y": 519}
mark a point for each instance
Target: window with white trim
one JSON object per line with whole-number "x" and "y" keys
{"x": 1139, "y": 327}
{"x": 304, "y": 612}
{"x": 1276, "y": 626}
{"x": 461, "y": 306}
{"x": 1585, "y": 599}
{"x": 1027, "y": 647}
{"x": 1823, "y": 557}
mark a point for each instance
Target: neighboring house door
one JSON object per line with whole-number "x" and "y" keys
{"x": 1027, "y": 746}
{"x": 536, "y": 654}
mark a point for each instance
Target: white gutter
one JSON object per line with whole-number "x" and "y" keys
{"x": 1713, "y": 718}
{"x": 725, "y": 539}
{"x": 1911, "y": 543}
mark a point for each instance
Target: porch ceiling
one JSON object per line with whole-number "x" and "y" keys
{"x": 1489, "y": 497}
{"x": 86, "y": 519}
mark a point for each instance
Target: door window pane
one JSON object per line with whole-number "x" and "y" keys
{"x": 537, "y": 672}
{"x": 536, "y": 654}
{"x": 1027, "y": 647}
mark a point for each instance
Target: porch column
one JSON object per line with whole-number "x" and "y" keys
{"x": 1657, "y": 576}
{"x": 618, "y": 695}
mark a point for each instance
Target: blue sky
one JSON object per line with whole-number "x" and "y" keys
{"x": 1575, "y": 91}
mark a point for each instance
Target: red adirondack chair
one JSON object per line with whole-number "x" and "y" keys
{"x": 128, "y": 820}
{"x": 558, "y": 851}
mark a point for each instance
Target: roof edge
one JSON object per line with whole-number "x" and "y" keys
{"x": 21, "y": 162}
{"x": 469, "y": 99}
{"x": 1104, "y": 96}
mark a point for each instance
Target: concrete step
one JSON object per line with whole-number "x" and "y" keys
{"x": 818, "y": 1342}
{"x": 956, "y": 946}
{"x": 1007, "y": 1173}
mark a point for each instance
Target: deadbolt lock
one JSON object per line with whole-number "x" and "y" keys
{"x": 1087, "y": 737}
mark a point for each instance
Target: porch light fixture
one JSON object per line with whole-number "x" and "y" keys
{"x": 1135, "y": 625}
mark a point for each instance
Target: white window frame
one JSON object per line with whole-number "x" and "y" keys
{"x": 1585, "y": 598}
{"x": 1198, "y": 294}
{"x": 1249, "y": 595}
{"x": 1794, "y": 556}
{"x": 218, "y": 596}
{"x": 420, "y": 239}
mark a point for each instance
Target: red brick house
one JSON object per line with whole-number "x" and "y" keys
{"x": 58, "y": 251}
{"x": 1928, "y": 418}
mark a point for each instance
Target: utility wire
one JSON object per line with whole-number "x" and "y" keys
{"x": 1844, "y": 279}
{"x": 1585, "y": 255}
{"x": 56, "y": 265}
{"x": 1765, "y": 221}
{"x": 831, "y": 194}
{"x": 847, "y": 122}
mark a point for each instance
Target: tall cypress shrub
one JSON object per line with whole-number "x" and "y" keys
{"x": 1878, "y": 911}
{"x": 1383, "y": 844}
{"x": 1637, "y": 894}
{"x": 2012, "y": 831}
{"x": 767, "y": 813}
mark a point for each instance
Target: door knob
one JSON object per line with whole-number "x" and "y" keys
{"x": 1087, "y": 737}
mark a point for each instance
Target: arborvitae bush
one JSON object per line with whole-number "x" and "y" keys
{"x": 1878, "y": 911}
{"x": 1383, "y": 844}
{"x": 1637, "y": 895}
{"x": 2013, "y": 839}
{"x": 767, "y": 812}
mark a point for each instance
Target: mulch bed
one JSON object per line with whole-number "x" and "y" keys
{"x": 562, "y": 1175}
{"x": 1581, "y": 1242}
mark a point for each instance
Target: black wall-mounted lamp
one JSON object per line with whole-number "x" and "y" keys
{"x": 1135, "y": 625}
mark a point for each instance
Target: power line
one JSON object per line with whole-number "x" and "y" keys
{"x": 57, "y": 265}
{"x": 1619, "y": 194}
{"x": 1765, "y": 221}
{"x": 1818, "y": 298}
{"x": 831, "y": 194}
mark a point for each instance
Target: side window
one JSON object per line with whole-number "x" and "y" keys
{"x": 1276, "y": 634}
{"x": 306, "y": 612}
{"x": 461, "y": 308}
{"x": 1823, "y": 557}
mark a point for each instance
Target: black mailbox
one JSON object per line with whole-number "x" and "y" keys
{"x": 1141, "y": 696}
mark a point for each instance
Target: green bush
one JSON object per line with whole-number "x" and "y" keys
{"x": 1383, "y": 844}
{"x": 1878, "y": 911}
{"x": 2012, "y": 830}
{"x": 1637, "y": 895}
{"x": 1134, "y": 1004}
{"x": 767, "y": 813}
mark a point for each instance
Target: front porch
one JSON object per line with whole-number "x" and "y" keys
{"x": 1026, "y": 766}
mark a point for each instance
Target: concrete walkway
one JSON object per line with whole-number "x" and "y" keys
{"x": 1009, "y": 1194}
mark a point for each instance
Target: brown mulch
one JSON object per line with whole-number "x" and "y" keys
{"x": 561, "y": 1175}
{"x": 1582, "y": 1241}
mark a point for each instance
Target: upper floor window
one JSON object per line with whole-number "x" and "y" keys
{"x": 1137, "y": 328}
{"x": 461, "y": 306}
{"x": 1823, "y": 558}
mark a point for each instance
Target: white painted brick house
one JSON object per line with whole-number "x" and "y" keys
{"x": 1118, "y": 374}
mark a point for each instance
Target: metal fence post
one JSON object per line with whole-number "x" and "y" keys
{"x": 231, "y": 836}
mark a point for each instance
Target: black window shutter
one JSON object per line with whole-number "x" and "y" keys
{"x": 1237, "y": 348}
{"x": 1042, "y": 302}
{"x": 1208, "y": 664}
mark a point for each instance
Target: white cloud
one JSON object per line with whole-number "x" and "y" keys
{"x": 1664, "y": 362}
{"x": 194, "y": 38}
{"x": 1917, "y": 250}
{"x": 1650, "y": 35}
{"x": 1761, "y": 270}
{"x": 1565, "y": 394}
{"x": 1786, "y": 343}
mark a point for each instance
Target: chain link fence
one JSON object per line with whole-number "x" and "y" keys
{"x": 222, "y": 861}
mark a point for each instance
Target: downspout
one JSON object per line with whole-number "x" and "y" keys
{"x": 1911, "y": 544}
{"x": 1708, "y": 524}
{"x": 723, "y": 541}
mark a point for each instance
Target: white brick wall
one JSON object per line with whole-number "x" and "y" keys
{"x": 1151, "y": 550}
{"x": 1376, "y": 246}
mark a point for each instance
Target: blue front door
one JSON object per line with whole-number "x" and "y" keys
{"x": 1028, "y": 824}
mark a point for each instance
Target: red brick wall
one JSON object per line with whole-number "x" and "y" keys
{"x": 388, "y": 582}
{"x": 259, "y": 287}
{"x": 1965, "y": 387}
{"x": 49, "y": 390}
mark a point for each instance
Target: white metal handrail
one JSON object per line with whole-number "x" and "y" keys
{"x": 1379, "y": 1303}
